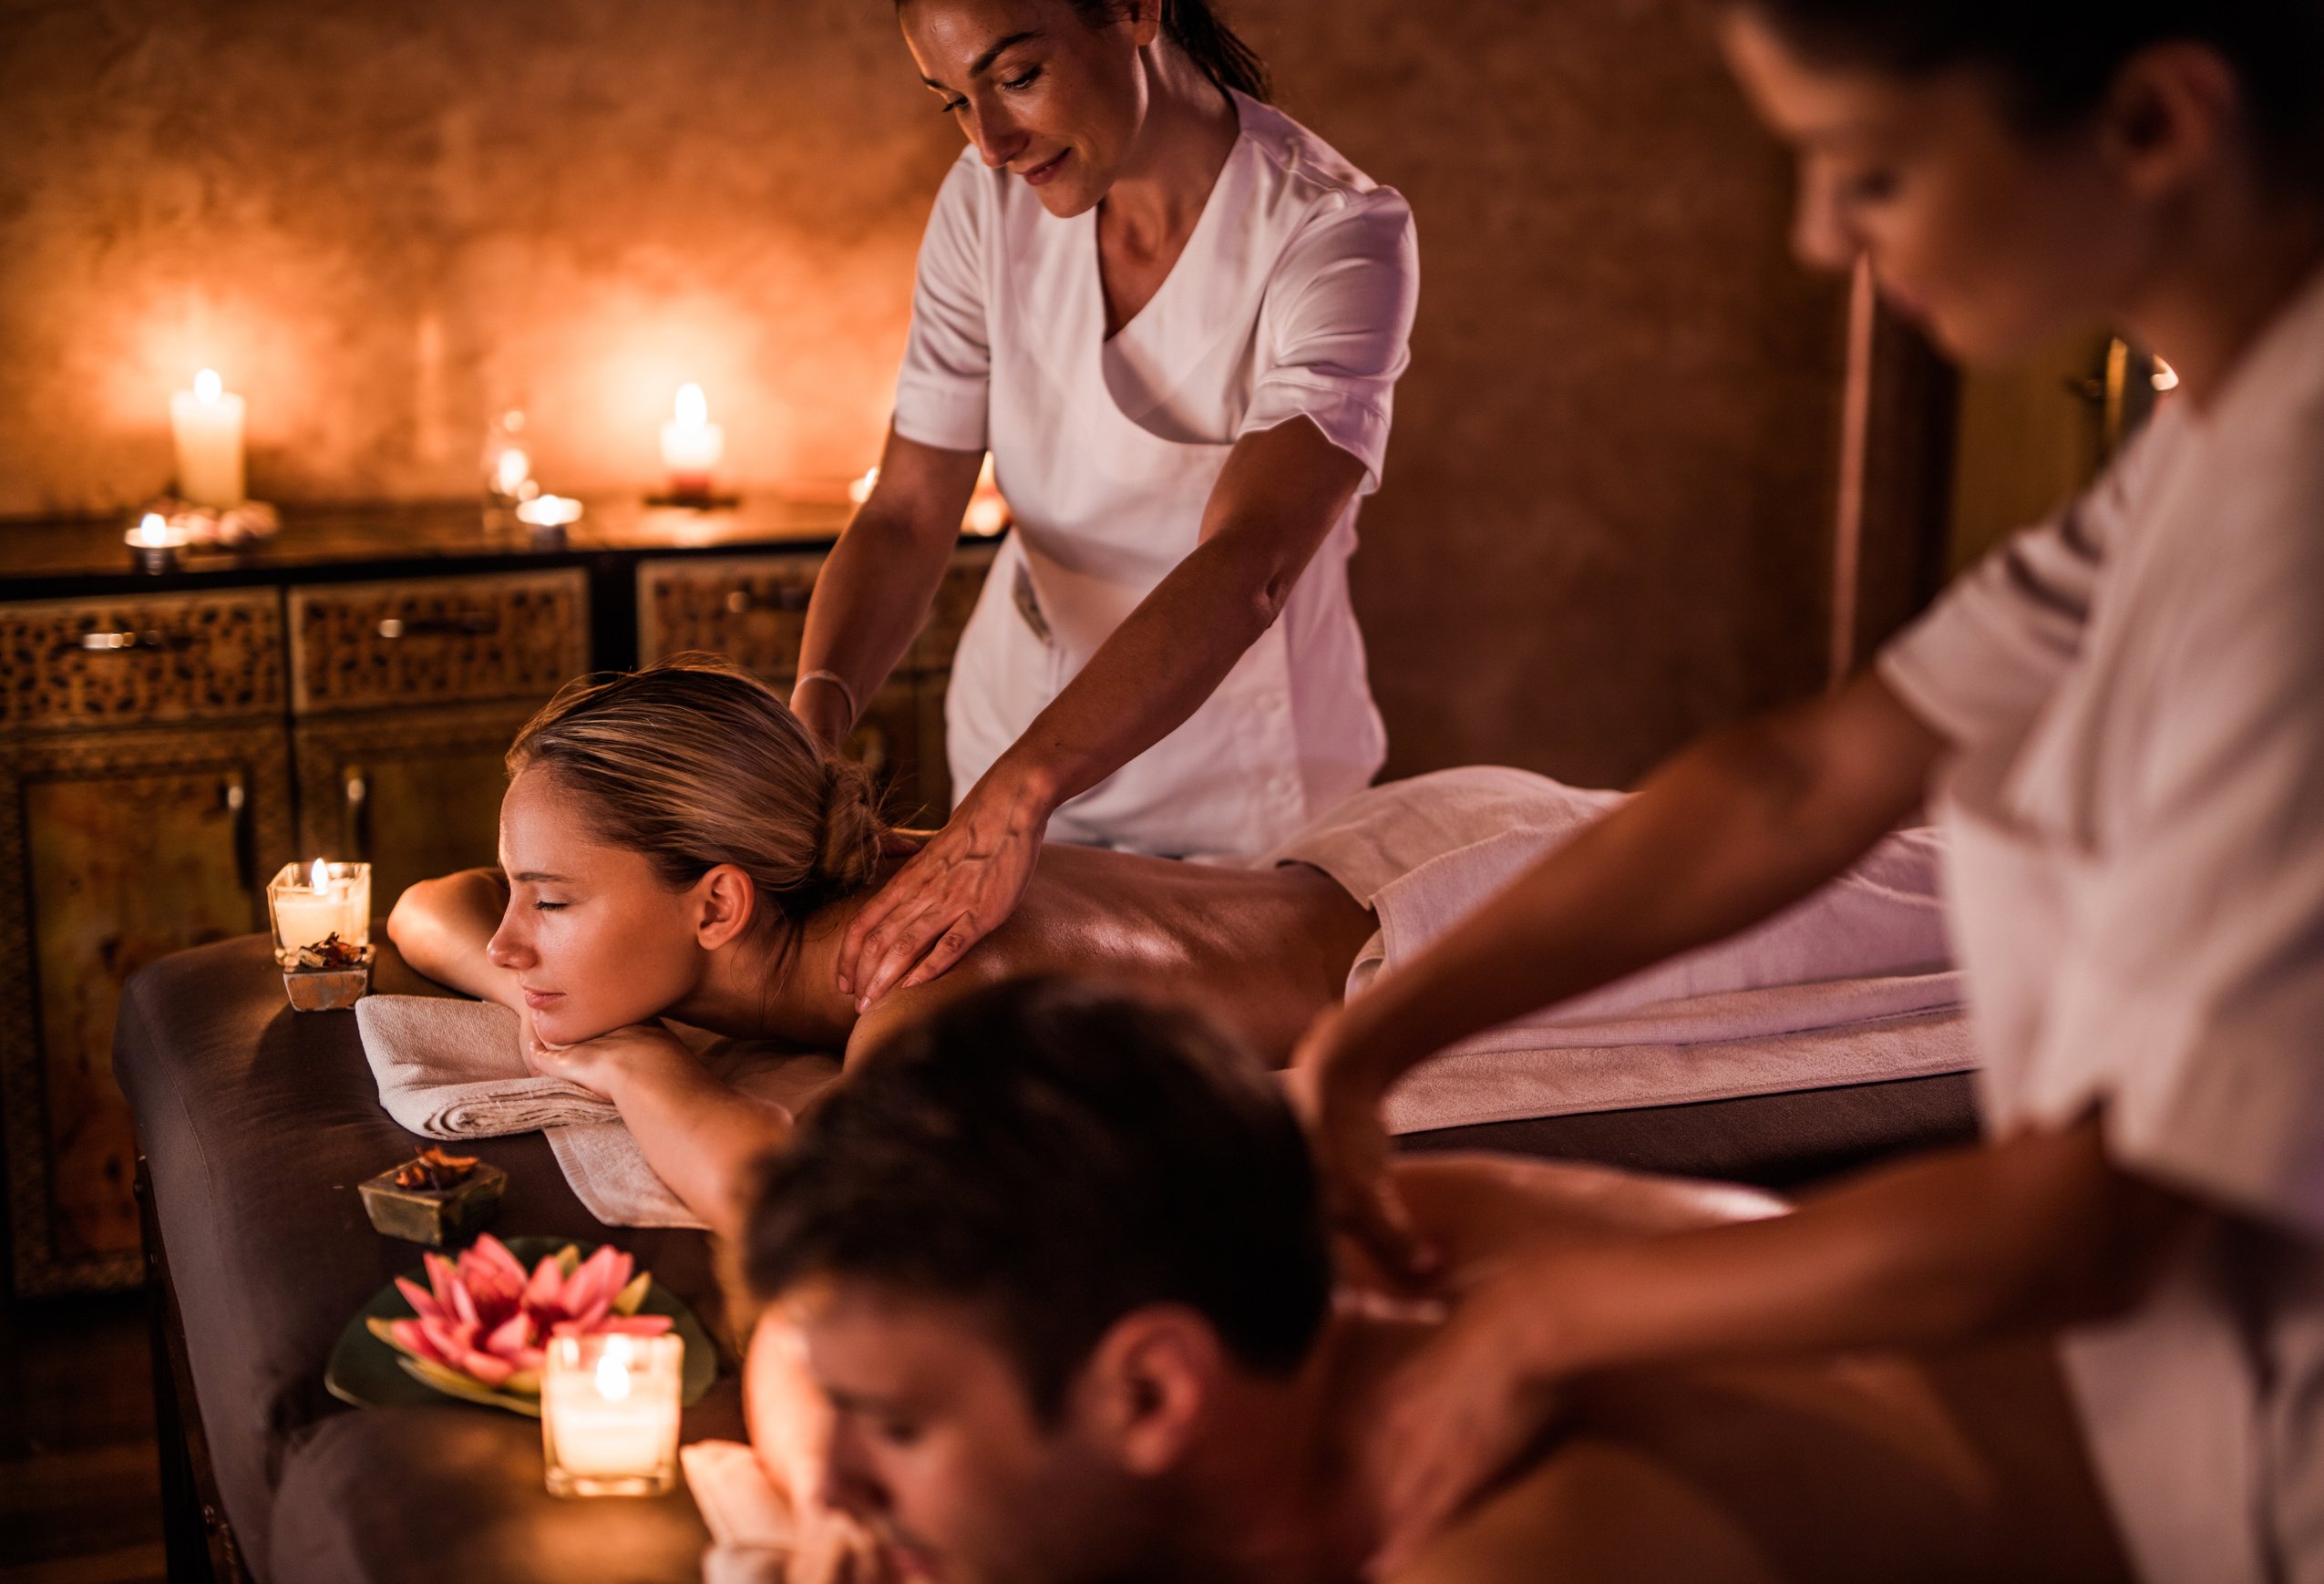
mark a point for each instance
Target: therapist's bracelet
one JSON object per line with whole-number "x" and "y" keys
{"x": 836, "y": 680}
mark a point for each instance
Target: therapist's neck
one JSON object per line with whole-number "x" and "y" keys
{"x": 1190, "y": 129}
{"x": 2240, "y": 257}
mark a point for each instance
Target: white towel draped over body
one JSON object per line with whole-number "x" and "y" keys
{"x": 455, "y": 1069}
{"x": 1854, "y": 985}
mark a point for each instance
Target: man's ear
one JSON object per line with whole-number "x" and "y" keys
{"x": 1148, "y": 1384}
{"x": 2174, "y": 110}
{"x": 725, "y": 902}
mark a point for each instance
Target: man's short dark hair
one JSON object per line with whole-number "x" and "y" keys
{"x": 1057, "y": 1155}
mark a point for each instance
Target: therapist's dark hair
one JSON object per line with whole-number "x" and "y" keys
{"x": 1207, "y": 41}
{"x": 2055, "y": 60}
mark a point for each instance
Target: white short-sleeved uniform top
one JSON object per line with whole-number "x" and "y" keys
{"x": 2135, "y": 694}
{"x": 1293, "y": 298}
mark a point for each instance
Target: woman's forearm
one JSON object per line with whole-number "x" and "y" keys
{"x": 442, "y": 928}
{"x": 700, "y": 1134}
{"x": 2036, "y": 1231}
{"x": 1724, "y": 835}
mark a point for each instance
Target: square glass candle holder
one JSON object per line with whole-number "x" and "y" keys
{"x": 609, "y": 1413}
{"x": 309, "y": 902}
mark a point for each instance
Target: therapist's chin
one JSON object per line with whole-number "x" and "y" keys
{"x": 1061, "y": 187}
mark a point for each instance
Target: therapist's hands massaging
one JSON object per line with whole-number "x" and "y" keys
{"x": 1175, "y": 318}
{"x": 2011, "y": 174}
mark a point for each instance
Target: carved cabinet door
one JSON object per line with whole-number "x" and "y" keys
{"x": 120, "y": 848}
{"x": 415, "y": 793}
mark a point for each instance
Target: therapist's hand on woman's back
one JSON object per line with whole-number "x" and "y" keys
{"x": 955, "y": 891}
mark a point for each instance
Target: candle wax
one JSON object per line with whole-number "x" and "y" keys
{"x": 207, "y": 422}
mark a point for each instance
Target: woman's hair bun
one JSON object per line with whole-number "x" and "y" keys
{"x": 849, "y": 857}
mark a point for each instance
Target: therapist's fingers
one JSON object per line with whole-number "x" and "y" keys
{"x": 916, "y": 950}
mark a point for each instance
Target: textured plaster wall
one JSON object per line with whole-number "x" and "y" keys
{"x": 1609, "y": 494}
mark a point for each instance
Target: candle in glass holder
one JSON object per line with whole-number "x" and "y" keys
{"x": 208, "y": 423}
{"x": 609, "y": 1413}
{"x": 308, "y": 903}
{"x": 692, "y": 445}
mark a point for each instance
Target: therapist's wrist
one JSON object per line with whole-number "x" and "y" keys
{"x": 1028, "y": 789}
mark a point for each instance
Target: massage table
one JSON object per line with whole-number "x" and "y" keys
{"x": 256, "y": 1123}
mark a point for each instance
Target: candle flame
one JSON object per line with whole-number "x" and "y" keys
{"x": 208, "y": 387}
{"x": 152, "y": 530}
{"x": 319, "y": 876}
{"x": 693, "y": 408}
{"x": 614, "y": 1369}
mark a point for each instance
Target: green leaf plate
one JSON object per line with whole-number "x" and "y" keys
{"x": 368, "y": 1373}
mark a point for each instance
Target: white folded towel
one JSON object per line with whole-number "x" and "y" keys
{"x": 455, "y": 1069}
{"x": 1854, "y": 985}
{"x": 751, "y": 1534}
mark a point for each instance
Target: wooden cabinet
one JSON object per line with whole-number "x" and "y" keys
{"x": 404, "y": 698}
{"x": 753, "y": 611}
{"x": 161, "y": 755}
{"x": 120, "y": 842}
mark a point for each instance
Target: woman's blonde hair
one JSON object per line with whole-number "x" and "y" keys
{"x": 694, "y": 763}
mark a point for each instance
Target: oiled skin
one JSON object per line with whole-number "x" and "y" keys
{"x": 1259, "y": 950}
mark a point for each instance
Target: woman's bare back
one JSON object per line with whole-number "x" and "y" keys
{"x": 1262, "y": 950}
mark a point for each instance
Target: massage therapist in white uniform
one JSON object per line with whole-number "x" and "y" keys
{"x": 2119, "y": 718}
{"x": 1176, "y": 319}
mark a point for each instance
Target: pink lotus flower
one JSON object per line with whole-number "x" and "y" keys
{"x": 485, "y": 1319}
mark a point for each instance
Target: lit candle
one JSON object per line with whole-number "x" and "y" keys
{"x": 987, "y": 512}
{"x": 207, "y": 422}
{"x": 692, "y": 444}
{"x": 154, "y": 544}
{"x": 609, "y": 1413}
{"x": 511, "y": 471}
{"x": 549, "y": 511}
{"x": 309, "y": 903}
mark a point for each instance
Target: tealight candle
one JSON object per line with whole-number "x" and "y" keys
{"x": 308, "y": 903}
{"x": 692, "y": 445}
{"x": 609, "y": 1413}
{"x": 208, "y": 423}
{"x": 154, "y": 544}
{"x": 549, "y": 511}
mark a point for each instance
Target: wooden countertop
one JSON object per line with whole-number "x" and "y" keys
{"x": 326, "y": 545}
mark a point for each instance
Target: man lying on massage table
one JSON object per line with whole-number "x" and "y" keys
{"x": 1047, "y": 1296}
{"x": 675, "y": 844}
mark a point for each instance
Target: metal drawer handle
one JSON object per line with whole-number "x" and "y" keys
{"x": 115, "y": 643}
{"x": 467, "y": 624}
{"x": 789, "y": 597}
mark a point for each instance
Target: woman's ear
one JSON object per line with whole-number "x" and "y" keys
{"x": 1144, "y": 19}
{"x": 725, "y": 901}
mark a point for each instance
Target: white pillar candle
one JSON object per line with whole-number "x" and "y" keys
{"x": 309, "y": 903}
{"x": 208, "y": 423}
{"x": 691, "y": 444}
{"x": 609, "y": 1413}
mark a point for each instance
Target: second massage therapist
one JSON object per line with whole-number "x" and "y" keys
{"x": 1176, "y": 318}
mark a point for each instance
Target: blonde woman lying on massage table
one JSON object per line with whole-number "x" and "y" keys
{"x": 675, "y": 844}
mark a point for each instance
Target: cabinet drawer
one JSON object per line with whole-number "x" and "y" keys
{"x": 359, "y": 646}
{"x": 753, "y": 610}
{"x": 140, "y": 660}
{"x": 750, "y": 609}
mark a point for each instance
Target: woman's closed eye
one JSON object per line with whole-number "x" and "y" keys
{"x": 1023, "y": 80}
{"x": 543, "y": 905}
